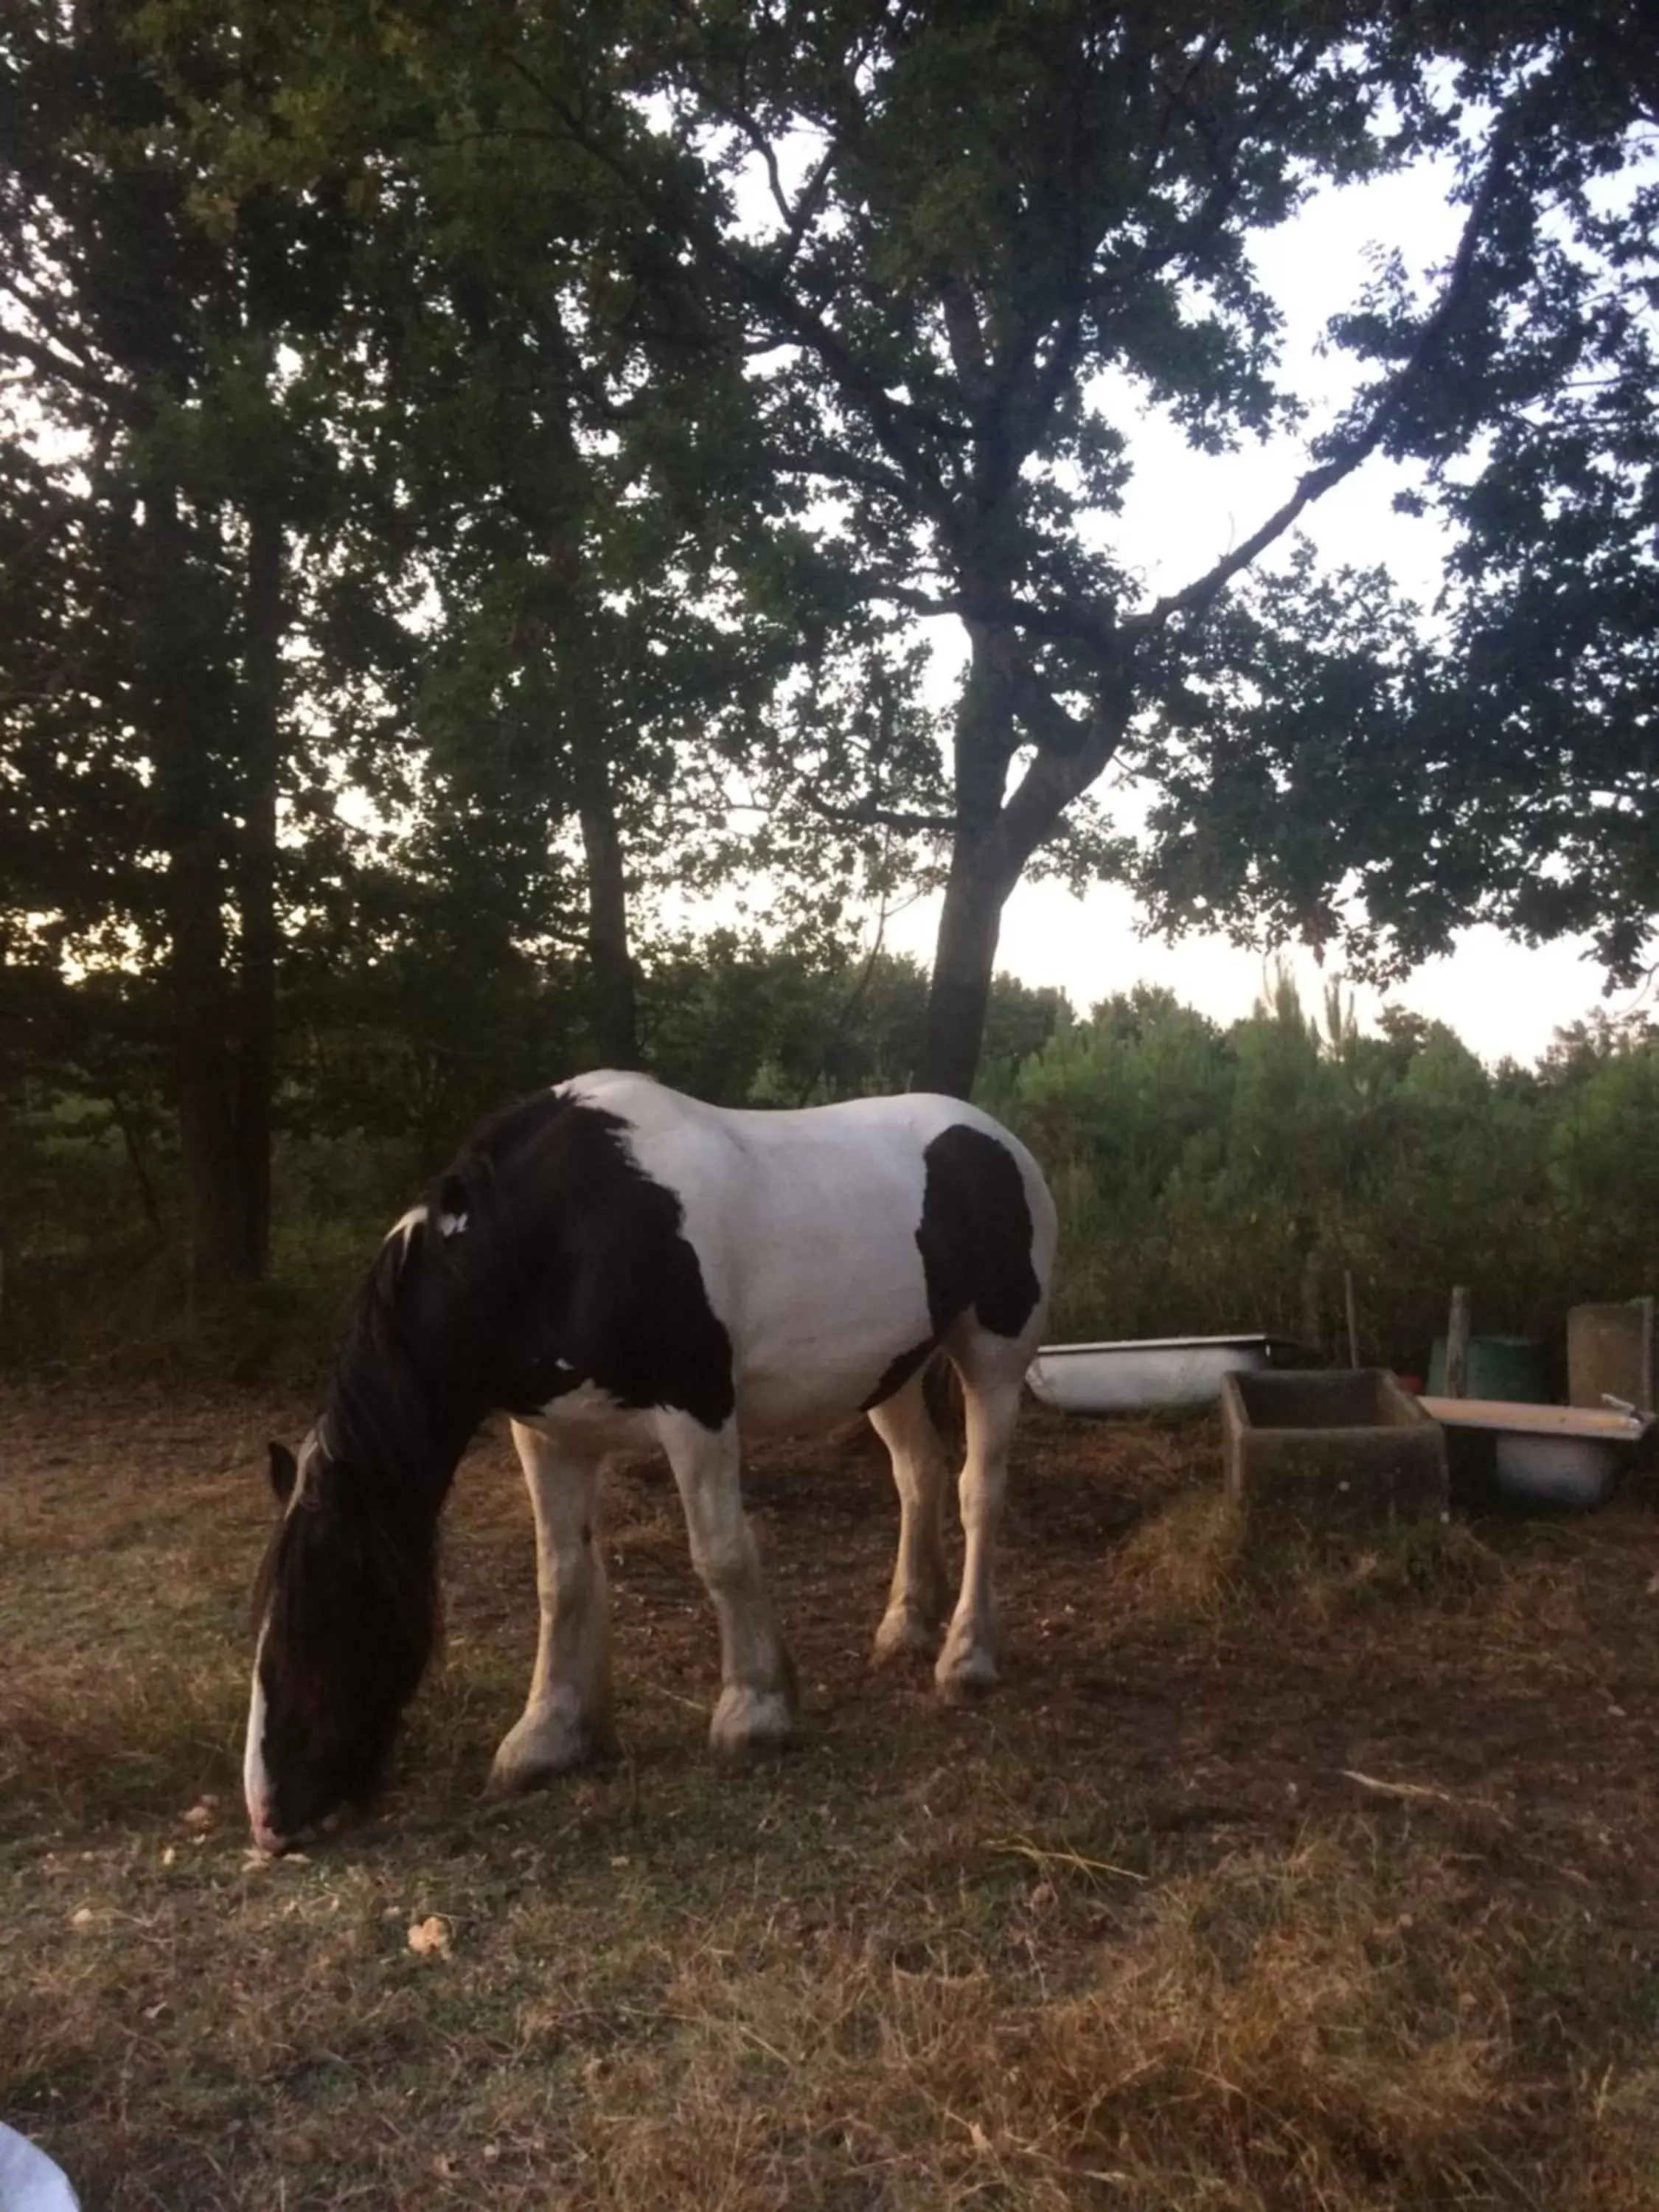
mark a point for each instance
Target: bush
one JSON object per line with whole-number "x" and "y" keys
{"x": 1197, "y": 1172}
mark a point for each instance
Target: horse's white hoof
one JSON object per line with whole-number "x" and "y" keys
{"x": 905, "y": 1633}
{"x": 537, "y": 1750}
{"x": 965, "y": 1671}
{"x": 747, "y": 1722}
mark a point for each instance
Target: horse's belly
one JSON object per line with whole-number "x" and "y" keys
{"x": 802, "y": 1386}
{"x": 779, "y": 1406}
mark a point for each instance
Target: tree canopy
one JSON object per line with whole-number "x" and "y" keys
{"x": 472, "y": 475}
{"x": 992, "y": 229}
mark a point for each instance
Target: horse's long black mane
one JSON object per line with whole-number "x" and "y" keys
{"x": 428, "y": 1338}
{"x": 543, "y": 1256}
{"x": 348, "y": 1597}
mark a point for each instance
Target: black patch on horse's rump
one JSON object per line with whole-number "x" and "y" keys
{"x": 897, "y": 1372}
{"x": 976, "y": 1233}
{"x": 572, "y": 1268}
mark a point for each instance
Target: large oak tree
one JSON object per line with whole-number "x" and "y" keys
{"x": 991, "y": 230}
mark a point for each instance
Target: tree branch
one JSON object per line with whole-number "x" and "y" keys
{"x": 1050, "y": 381}
{"x": 797, "y": 220}
{"x": 1361, "y": 443}
{"x": 1051, "y": 726}
{"x": 967, "y": 342}
{"x": 896, "y": 423}
{"x": 866, "y": 815}
{"x": 748, "y": 126}
{"x": 1055, "y": 777}
{"x": 14, "y": 346}
{"x": 836, "y": 467}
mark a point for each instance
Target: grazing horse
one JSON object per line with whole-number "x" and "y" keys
{"x": 615, "y": 1265}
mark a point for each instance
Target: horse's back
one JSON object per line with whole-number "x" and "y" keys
{"x": 831, "y": 1238}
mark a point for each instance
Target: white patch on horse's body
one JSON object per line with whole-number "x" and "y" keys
{"x": 804, "y": 1224}
{"x": 594, "y": 1412}
{"x": 256, "y": 1783}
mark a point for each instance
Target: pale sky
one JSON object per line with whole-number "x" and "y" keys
{"x": 1183, "y": 511}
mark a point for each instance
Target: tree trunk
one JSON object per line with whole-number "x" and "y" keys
{"x": 615, "y": 1004}
{"x": 256, "y": 1039}
{"x": 964, "y": 960}
{"x": 996, "y": 836}
{"x": 959, "y": 994}
{"x": 587, "y": 718}
{"x": 135, "y": 1153}
{"x": 177, "y": 652}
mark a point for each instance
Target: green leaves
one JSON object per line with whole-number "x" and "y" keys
{"x": 627, "y": 380}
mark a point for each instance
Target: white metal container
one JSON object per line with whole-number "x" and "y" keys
{"x": 1549, "y": 1455}
{"x": 1137, "y": 1376}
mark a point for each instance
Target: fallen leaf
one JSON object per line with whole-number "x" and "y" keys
{"x": 429, "y": 1937}
{"x": 83, "y": 1919}
{"x": 199, "y": 1817}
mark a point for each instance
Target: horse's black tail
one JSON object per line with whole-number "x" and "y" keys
{"x": 941, "y": 1393}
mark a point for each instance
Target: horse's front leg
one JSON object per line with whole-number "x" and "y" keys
{"x": 567, "y": 1717}
{"x": 757, "y": 1706}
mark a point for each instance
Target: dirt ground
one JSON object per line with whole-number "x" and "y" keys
{"x": 1300, "y": 1878}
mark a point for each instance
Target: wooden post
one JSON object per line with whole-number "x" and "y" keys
{"x": 1353, "y": 1314}
{"x": 1644, "y": 1364}
{"x": 1312, "y": 1330}
{"x": 1458, "y": 1345}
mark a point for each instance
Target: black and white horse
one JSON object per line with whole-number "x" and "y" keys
{"x": 613, "y": 1264}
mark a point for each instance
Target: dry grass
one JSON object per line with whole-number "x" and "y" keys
{"x": 1264, "y": 1884}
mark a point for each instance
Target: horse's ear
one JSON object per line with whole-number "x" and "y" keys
{"x": 283, "y": 1470}
{"x": 449, "y": 1215}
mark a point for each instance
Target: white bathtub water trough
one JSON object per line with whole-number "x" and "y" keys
{"x": 1143, "y": 1375}
{"x": 1549, "y": 1454}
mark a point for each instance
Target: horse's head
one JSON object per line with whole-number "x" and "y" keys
{"x": 345, "y": 1615}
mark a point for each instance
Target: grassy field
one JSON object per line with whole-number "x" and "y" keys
{"x": 1277, "y": 1883}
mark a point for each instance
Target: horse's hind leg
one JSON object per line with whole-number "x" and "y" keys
{"x": 757, "y": 1704}
{"x": 920, "y": 1597}
{"x": 992, "y": 1372}
{"x": 567, "y": 1717}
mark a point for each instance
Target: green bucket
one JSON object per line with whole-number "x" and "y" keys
{"x": 1512, "y": 1367}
